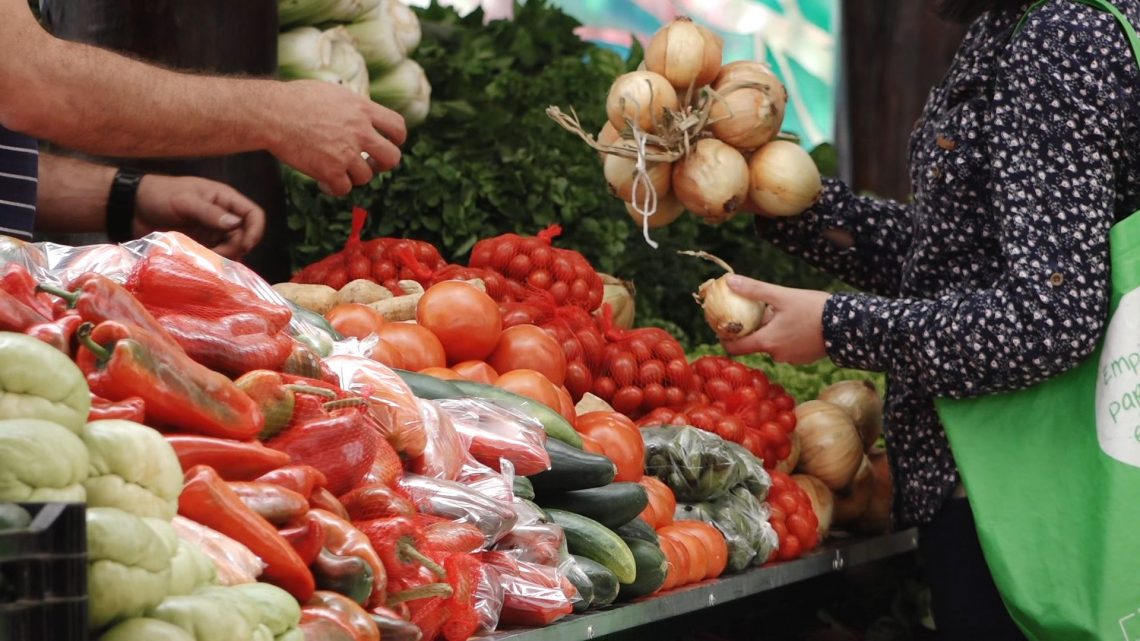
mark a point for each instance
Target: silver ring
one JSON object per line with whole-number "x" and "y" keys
{"x": 372, "y": 164}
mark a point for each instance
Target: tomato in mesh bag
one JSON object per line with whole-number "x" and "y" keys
{"x": 573, "y": 327}
{"x": 497, "y": 285}
{"x": 707, "y": 417}
{"x": 534, "y": 262}
{"x": 383, "y": 260}
{"x": 641, "y": 369}
{"x": 793, "y": 518}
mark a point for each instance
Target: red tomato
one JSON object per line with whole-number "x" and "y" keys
{"x": 566, "y": 405}
{"x": 589, "y": 444}
{"x": 387, "y": 354}
{"x": 715, "y": 545}
{"x": 682, "y": 561}
{"x": 628, "y": 400}
{"x": 673, "y": 565}
{"x": 531, "y": 384}
{"x": 418, "y": 346}
{"x": 441, "y": 373}
{"x": 465, "y": 320}
{"x": 355, "y": 320}
{"x": 529, "y": 347}
{"x": 787, "y": 420}
{"x": 785, "y": 402}
{"x": 698, "y": 556}
{"x": 661, "y": 500}
{"x": 620, "y": 439}
{"x": 477, "y": 371}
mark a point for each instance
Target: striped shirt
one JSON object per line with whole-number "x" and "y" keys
{"x": 19, "y": 166}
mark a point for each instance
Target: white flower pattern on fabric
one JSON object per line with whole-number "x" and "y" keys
{"x": 995, "y": 277}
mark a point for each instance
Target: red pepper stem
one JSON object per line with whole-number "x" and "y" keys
{"x": 342, "y": 403}
{"x": 442, "y": 590}
{"x": 71, "y": 297}
{"x": 408, "y": 553}
{"x": 83, "y": 334}
{"x": 309, "y": 389}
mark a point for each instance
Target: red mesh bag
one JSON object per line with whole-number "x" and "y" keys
{"x": 498, "y": 287}
{"x": 573, "y": 327}
{"x": 792, "y": 517}
{"x": 707, "y": 417}
{"x": 383, "y": 260}
{"x": 534, "y": 262}
{"x": 641, "y": 369}
{"x": 767, "y": 411}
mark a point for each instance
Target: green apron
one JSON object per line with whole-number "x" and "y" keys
{"x": 1052, "y": 472}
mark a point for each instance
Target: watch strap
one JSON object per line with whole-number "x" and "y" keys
{"x": 121, "y": 205}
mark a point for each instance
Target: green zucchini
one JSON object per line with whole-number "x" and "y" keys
{"x": 652, "y": 566}
{"x": 612, "y": 505}
{"x": 585, "y": 587}
{"x": 523, "y": 488}
{"x": 429, "y": 387}
{"x": 638, "y": 529}
{"x": 555, "y": 425}
{"x": 572, "y": 469}
{"x": 605, "y": 583}
{"x": 586, "y": 537}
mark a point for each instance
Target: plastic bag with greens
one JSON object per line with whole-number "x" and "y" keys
{"x": 696, "y": 465}
{"x": 743, "y": 520}
{"x": 756, "y": 479}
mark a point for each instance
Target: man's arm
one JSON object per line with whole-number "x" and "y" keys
{"x": 96, "y": 101}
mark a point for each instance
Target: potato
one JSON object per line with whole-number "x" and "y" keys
{"x": 363, "y": 291}
{"x": 315, "y": 298}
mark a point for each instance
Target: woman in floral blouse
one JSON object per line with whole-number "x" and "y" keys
{"x": 994, "y": 277}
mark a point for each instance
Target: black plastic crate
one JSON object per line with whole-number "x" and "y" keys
{"x": 43, "y": 575}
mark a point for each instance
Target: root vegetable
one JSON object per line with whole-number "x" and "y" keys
{"x": 609, "y": 135}
{"x": 619, "y": 294}
{"x": 684, "y": 54}
{"x": 398, "y": 308}
{"x": 641, "y": 97}
{"x": 410, "y": 286}
{"x": 822, "y": 500}
{"x": 712, "y": 180}
{"x": 830, "y": 449}
{"x": 669, "y": 209}
{"x": 852, "y": 501}
{"x": 876, "y": 519}
{"x": 862, "y": 403}
{"x": 363, "y": 291}
{"x": 729, "y": 314}
{"x": 783, "y": 179}
{"x": 749, "y": 109}
{"x": 315, "y": 298}
{"x": 621, "y": 171}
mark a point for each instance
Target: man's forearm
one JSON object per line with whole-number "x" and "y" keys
{"x": 72, "y": 195}
{"x": 100, "y": 102}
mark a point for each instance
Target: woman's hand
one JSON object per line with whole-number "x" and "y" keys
{"x": 792, "y": 331}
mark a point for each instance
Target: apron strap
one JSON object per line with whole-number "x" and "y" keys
{"x": 1103, "y": 5}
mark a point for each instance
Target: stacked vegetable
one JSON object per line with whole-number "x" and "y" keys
{"x": 362, "y": 44}
{"x": 686, "y": 133}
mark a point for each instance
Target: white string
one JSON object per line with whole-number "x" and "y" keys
{"x": 646, "y": 206}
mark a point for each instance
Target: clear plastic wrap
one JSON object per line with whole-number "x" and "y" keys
{"x": 696, "y": 465}
{"x": 756, "y": 478}
{"x": 541, "y": 543}
{"x": 457, "y": 502}
{"x": 444, "y": 453}
{"x": 391, "y": 402}
{"x": 743, "y": 520}
{"x": 493, "y": 432}
{"x": 497, "y": 486}
{"x": 534, "y": 595}
{"x": 234, "y": 562}
{"x": 488, "y": 598}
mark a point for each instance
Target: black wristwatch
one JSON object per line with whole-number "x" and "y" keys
{"x": 121, "y": 205}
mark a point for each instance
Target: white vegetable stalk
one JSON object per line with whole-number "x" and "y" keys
{"x": 302, "y": 51}
{"x": 347, "y": 63}
{"x": 298, "y": 12}
{"x": 406, "y": 22}
{"x": 404, "y": 89}
{"x": 377, "y": 40}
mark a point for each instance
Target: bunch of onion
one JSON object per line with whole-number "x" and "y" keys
{"x": 830, "y": 448}
{"x": 783, "y": 179}
{"x": 748, "y": 109}
{"x": 686, "y": 54}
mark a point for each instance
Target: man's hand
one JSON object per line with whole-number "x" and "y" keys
{"x": 325, "y": 129}
{"x": 793, "y": 324}
{"x": 212, "y": 213}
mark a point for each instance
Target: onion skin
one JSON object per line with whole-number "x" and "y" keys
{"x": 680, "y": 52}
{"x": 609, "y": 135}
{"x": 747, "y": 117}
{"x": 642, "y": 97}
{"x": 621, "y": 171}
{"x": 876, "y": 519}
{"x": 783, "y": 179}
{"x": 712, "y": 181}
{"x": 619, "y": 294}
{"x": 830, "y": 449}
{"x": 669, "y": 209}
{"x": 861, "y": 401}
{"x": 822, "y": 501}
{"x": 852, "y": 501}
{"x": 730, "y": 315}
{"x": 750, "y": 71}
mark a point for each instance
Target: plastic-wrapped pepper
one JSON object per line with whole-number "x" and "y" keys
{"x": 282, "y": 403}
{"x": 450, "y": 537}
{"x": 232, "y": 460}
{"x": 307, "y": 537}
{"x": 18, "y": 281}
{"x": 337, "y": 607}
{"x": 341, "y": 445}
{"x": 233, "y": 344}
{"x": 131, "y": 409}
{"x": 208, "y": 500}
{"x": 319, "y": 628}
{"x": 401, "y": 546}
{"x": 343, "y": 538}
{"x": 16, "y": 316}
{"x": 58, "y": 333}
{"x": 121, "y": 361}
{"x": 464, "y": 572}
{"x": 377, "y": 501}
{"x": 387, "y": 468}
{"x": 394, "y": 627}
{"x": 172, "y": 283}
{"x": 302, "y": 479}
{"x": 98, "y": 299}
{"x": 273, "y": 503}
{"x": 323, "y": 499}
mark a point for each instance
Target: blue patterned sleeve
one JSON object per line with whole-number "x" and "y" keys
{"x": 1055, "y": 131}
{"x": 859, "y": 239}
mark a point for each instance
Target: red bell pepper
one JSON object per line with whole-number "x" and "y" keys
{"x": 323, "y": 499}
{"x": 172, "y": 283}
{"x": 58, "y": 333}
{"x": 232, "y": 345}
{"x": 121, "y": 361}
{"x": 376, "y": 502}
{"x": 274, "y": 503}
{"x": 15, "y": 316}
{"x": 450, "y": 537}
{"x": 387, "y": 468}
{"x": 232, "y": 460}
{"x": 321, "y": 628}
{"x": 18, "y": 281}
{"x": 343, "y": 538}
{"x": 208, "y": 500}
{"x": 343, "y": 574}
{"x": 282, "y": 403}
{"x": 129, "y": 409}
{"x": 98, "y": 299}
{"x": 401, "y": 546}
{"x": 464, "y": 572}
{"x": 341, "y": 445}
{"x": 299, "y": 478}
{"x": 392, "y": 626}
{"x": 337, "y": 607}
{"x": 306, "y": 535}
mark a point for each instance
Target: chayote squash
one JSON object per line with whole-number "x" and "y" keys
{"x": 128, "y": 569}
{"x": 132, "y": 468}
{"x": 40, "y": 462}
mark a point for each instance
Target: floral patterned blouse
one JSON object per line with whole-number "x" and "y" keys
{"x": 996, "y": 275}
